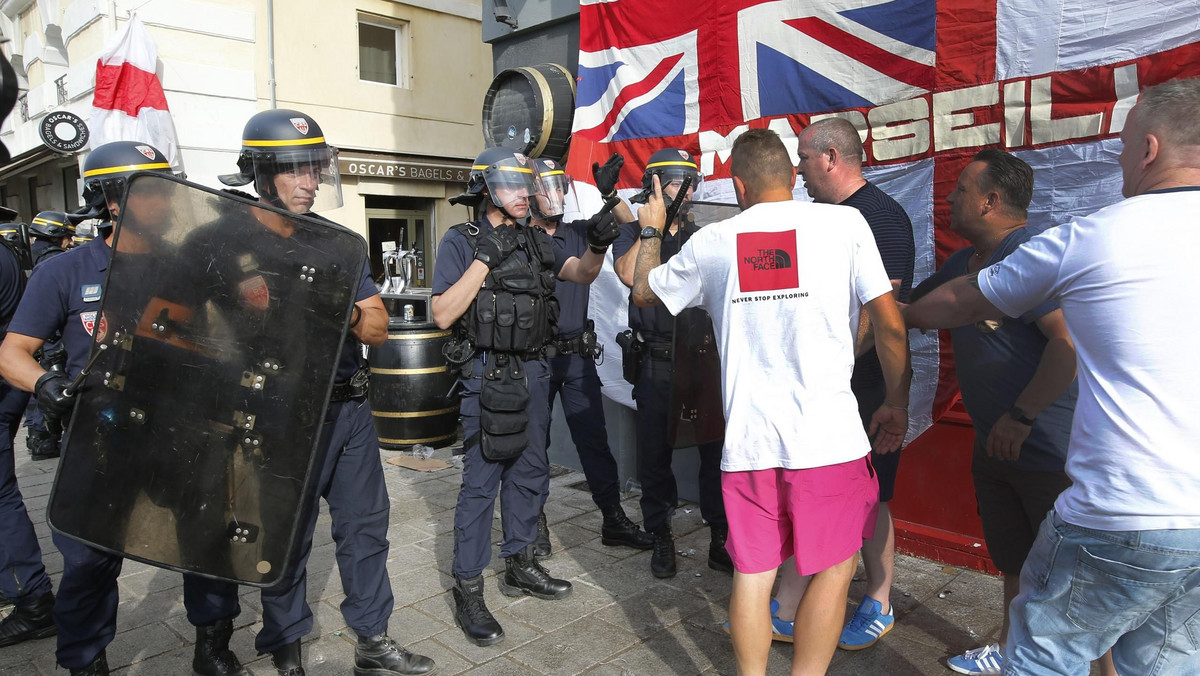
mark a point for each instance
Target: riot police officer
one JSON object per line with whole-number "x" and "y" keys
{"x": 494, "y": 283}
{"x": 573, "y": 375}
{"x": 50, "y": 233}
{"x": 292, "y": 167}
{"x": 63, "y": 298}
{"x": 24, "y": 580}
{"x": 654, "y": 329}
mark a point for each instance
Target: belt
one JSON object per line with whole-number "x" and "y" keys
{"x": 569, "y": 346}
{"x": 354, "y": 388}
{"x": 659, "y": 351}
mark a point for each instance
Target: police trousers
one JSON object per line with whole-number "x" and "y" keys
{"x": 351, "y": 483}
{"x": 659, "y": 491}
{"x": 22, "y": 576}
{"x": 574, "y": 381}
{"x": 523, "y": 481}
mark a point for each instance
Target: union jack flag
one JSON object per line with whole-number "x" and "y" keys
{"x": 926, "y": 83}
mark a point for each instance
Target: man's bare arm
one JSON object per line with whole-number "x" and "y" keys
{"x": 17, "y": 364}
{"x": 956, "y": 303}
{"x": 889, "y": 424}
{"x": 649, "y": 257}
{"x": 449, "y": 306}
{"x": 583, "y": 269}
{"x": 372, "y": 324}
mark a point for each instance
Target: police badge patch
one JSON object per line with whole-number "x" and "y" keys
{"x": 255, "y": 292}
{"x": 683, "y": 154}
{"x": 89, "y": 321}
{"x": 90, "y": 293}
{"x": 300, "y": 124}
{"x": 147, "y": 151}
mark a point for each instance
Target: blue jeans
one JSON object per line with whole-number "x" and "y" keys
{"x": 1084, "y": 591}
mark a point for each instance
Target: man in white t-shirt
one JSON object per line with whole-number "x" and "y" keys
{"x": 785, "y": 283}
{"x": 1117, "y": 562}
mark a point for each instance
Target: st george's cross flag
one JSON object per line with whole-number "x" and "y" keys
{"x": 129, "y": 103}
{"x": 928, "y": 84}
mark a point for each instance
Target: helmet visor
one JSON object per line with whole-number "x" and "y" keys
{"x": 671, "y": 175}
{"x": 299, "y": 181}
{"x": 511, "y": 184}
{"x": 555, "y": 184}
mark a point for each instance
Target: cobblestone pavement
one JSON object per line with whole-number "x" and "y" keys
{"x": 620, "y": 620}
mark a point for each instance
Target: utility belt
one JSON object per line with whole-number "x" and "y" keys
{"x": 584, "y": 344}
{"x": 634, "y": 347}
{"x": 355, "y": 388}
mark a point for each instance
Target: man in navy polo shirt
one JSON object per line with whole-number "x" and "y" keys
{"x": 64, "y": 297}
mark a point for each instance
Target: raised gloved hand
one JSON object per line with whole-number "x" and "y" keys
{"x": 603, "y": 229}
{"x": 51, "y": 394}
{"x": 606, "y": 176}
{"x": 496, "y": 245}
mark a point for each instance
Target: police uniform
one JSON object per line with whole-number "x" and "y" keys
{"x": 523, "y": 481}
{"x": 43, "y": 443}
{"x": 64, "y": 296}
{"x": 22, "y": 576}
{"x": 246, "y": 270}
{"x": 573, "y": 375}
{"x": 652, "y": 392}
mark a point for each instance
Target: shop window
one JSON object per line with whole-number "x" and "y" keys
{"x": 381, "y": 52}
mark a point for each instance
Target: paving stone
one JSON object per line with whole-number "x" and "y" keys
{"x": 501, "y": 666}
{"x": 551, "y": 615}
{"x": 140, "y": 644}
{"x": 651, "y": 611}
{"x": 681, "y": 649}
{"x": 516, "y": 634}
{"x": 566, "y": 651}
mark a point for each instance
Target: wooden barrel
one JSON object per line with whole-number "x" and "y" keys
{"x": 529, "y": 109}
{"x": 412, "y": 390}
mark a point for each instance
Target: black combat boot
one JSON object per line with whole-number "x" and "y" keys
{"x": 524, "y": 575}
{"x": 98, "y": 667}
{"x": 35, "y": 620}
{"x": 287, "y": 660}
{"x": 618, "y": 531}
{"x": 718, "y": 558}
{"x": 41, "y": 445}
{"x": 662, "y": 560}
{"x": 213, "y": 656}
{"x": 380, "y": 656}
{"x": 471, "y": 613}
{"x": 541, "y": 544}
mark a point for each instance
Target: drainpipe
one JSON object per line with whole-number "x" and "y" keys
{"x": 271, "y": 50}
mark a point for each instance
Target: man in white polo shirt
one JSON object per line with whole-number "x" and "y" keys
{"x": 1117, "y": 562}
{"x": 785, "y": 283}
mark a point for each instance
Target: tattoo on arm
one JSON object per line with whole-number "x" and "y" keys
{"x": 648, "y": 258}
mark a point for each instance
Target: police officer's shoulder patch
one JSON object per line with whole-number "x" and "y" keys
{"x": 255, "y": 292}
{"x": 89, "y": 321}
{"x": 90, "y": 293}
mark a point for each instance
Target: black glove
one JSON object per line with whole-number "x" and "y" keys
{"x": 606, "y": 176}
{"x": 496, "y": 245}
{"x": 51, "y": 394}
{"x": 603, "y": 229}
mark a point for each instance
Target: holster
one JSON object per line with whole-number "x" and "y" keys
{"x": 503, "y": 400}
{"x": 631, "y": 355}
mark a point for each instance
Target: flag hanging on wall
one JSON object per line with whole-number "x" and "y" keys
{"x": 129, "y": 103}
{"x": 927, "y": 84}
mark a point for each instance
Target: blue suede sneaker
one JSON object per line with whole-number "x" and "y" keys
{"x": 780, "y": 630}
{"x": 867, "y": 626}
{"x": 985, "y": 660}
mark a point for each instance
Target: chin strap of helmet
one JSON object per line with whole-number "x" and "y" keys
{"x": 266, "y": 191}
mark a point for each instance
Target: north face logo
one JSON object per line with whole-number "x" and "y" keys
{"x": 769, "y": 259}
{"x": 766, "y": 261}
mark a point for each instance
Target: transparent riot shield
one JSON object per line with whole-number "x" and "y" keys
{"x": 697, "y": 413}
{"x": 195, "y": 443}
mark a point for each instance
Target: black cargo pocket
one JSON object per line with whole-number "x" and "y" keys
{"x": 526, "y": 317}
{"x": 503, "y": 418}
{"x": 506, "y": 316}
{"x": 485, "y": 319}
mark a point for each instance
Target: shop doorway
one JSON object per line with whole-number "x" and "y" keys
{"x": 408, "y": 228}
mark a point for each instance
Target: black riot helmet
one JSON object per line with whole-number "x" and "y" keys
{"x": 291, "y": 143}
{"x": 15, "y": 237}
{"x": 670, "y": 165}
{"x": 506, "y": 177}
{"x": 106, "y": 174}
{"x": 51, "y": 225}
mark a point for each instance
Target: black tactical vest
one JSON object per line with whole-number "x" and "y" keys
{"x": 515, "y": 311}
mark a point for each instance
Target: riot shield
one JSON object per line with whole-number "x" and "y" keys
{"x": 697, "y": 412}
{"x": 195, "y": 443}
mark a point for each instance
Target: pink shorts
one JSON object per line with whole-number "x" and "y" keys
{"x": 821, "y": 515}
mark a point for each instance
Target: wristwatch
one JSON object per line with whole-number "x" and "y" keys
{"x": 649, "y": 232}
{"x": 1017, "y": 414}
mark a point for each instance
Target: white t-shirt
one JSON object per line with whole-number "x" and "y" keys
{"x": 1124, "y": 276}
{"x": 784, "y": 283}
